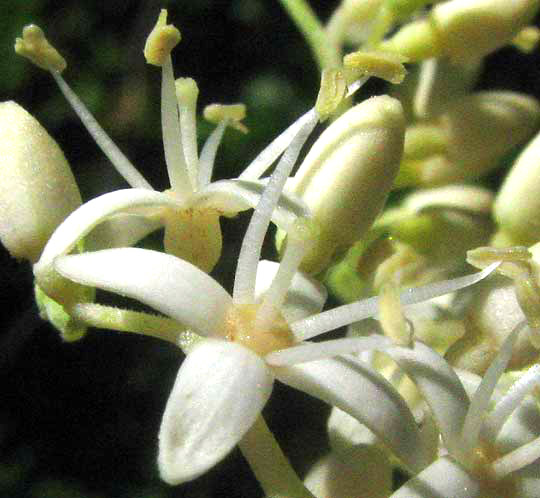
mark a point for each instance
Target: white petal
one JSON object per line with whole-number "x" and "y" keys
{"x": 168, "y": 284}
{"x": 220, "y": 390}
{"x": 121, "y": 230}
{"x": 90, "y": 214}
{"x": 365, "y": 395}
{"x": 440, "y": 387}
{"x": 238, "y": 195}
{"x": 306, "y": 296}
{"x": 444, "y": 478}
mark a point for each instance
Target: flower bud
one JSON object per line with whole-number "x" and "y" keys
{"x": 346, "y": 176}
{"x": 38, "y": 188}
{"x": 517, "y": 206}
{"x": 470, "y": 139}
{"x": 463, "y": 30}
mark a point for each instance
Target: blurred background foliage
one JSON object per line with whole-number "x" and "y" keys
{"x": 81, "y": 420}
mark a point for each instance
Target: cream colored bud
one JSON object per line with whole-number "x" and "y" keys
{"x": 38, "y": 188}
{"x": 517, "y": 206}
{"x": 527, "y": 39}
{"x": 492, "y": 314}
{"x": 34, "y": 46}
{"x": 441, "y": 83}
{"x": 346, "y": 176}
{"x": 463, "y": 29}
{"x": 479, "y": 130}
{"x": 161, "y": 40}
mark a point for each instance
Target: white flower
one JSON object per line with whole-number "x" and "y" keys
{"x": 252, "y": 337}
{"x": 190, "y": 210}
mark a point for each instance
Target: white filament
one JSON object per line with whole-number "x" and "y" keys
{"x": 188, "y": 131}
{"x": 510, "y": 401}
{"x": 354, "y": 312}
{"x": 480, "y": 401}
{"x": 517, "y": 459}
{"x": 172, "y": 138}
{"x": 246, "y": 270}
{"x": 208, "y": 154}
{"x": 120, "y": 162}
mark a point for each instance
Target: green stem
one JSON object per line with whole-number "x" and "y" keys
{"x": 108, "y": 317}
{"x": 326, "y": 54}
{"x": 269, "y": 464}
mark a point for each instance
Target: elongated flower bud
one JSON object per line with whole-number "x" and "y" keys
{"x": 348, "y": 173}
{"x": 463, "y": 29}
{"x": 38, "y": 188}
{"x": 517, "y": 206}
{"x": 470, "y": 139}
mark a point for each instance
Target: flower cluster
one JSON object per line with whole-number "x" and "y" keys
{"x": 404, "y": 382}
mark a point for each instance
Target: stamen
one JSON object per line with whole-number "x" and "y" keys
{"x": 509, "y": 402}
{"x": 268, "y": 155}
{"x": 349, "y": 313}
{"x": 517, "y": 459}
{"x": 332, "y": 92}
{"x": 311, "y": 351}
{"x": 391, "y": 316}
{"x": 233, "y": 113}
{"x": 186, "y": 95}
{"x": 300, "y": 239}
{"x": 480, "y": 401}
{"x": 208, "y": 154}
{"x": 172, "y": 138}
{"x": 35, "y": 47}
{"x": 120, "y": 162}
{"x": 384, "y": 65}
{"x": 246, "y": 270}
{"x": 161, "y": 40}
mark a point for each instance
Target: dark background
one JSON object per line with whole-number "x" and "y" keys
{"x": 81, "y": 420}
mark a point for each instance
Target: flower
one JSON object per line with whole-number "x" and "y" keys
{"x": 258, "y": 334}
{"x": 191, "y": 209}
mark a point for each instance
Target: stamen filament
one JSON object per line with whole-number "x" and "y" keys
{"x": 313, "y": 326}
{"x": 510, "y": 401}
{"x": 517, "y": 459}
{"x": 172, "y": 138}
{"x": 120, "y": 162}
{"x": 480, "y": 401}
{"x": 274, "y": 297}
{"x": 272, "y": 151}
{"x": 188, "y": 130}
{"x": 311, "y": 351}
{"x": 246, "y": 270}
{"x": 208, "y": 154}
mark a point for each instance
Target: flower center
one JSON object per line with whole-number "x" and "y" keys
{"x": 483, "y": 456}
{"x": 241, "y": 328}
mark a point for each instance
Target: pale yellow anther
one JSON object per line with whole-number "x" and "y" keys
{"x": 187, "y": 91}
{"x": 385, "y": 65}
{"x": 393, "y": 322}
{"x": 528, "y": 296}
{"x": 161, "y": 40}
{"x": 515, "y": 260}
{"x": 233, "y": 113}
{"x": 527, "y": 39}
{"x": 332, "y": 92}
{"x": 34, "y": 46}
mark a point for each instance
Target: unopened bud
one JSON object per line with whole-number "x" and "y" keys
{"x": 347, "y": 174}
{"x": 517, "y": 206}
{"x": 463, "y": 29}
{"x": 38, "y": 188}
